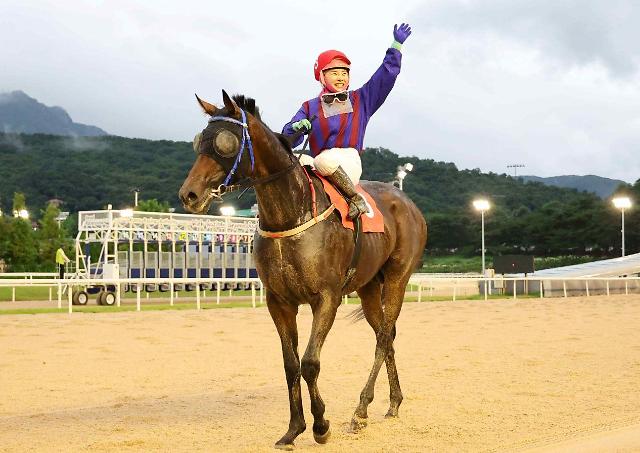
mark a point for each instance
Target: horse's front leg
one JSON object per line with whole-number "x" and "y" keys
{"x": 323, "y": 316}
{"x": 284, "y": 317}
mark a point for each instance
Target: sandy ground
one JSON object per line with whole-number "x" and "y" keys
{"x": 545, "y": 375}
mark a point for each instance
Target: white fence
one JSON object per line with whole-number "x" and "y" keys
{"x": 430, "y": 285}
{"x": 543, "y": 286}
{"x": 66, "y": 285}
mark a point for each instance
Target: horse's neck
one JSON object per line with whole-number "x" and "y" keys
{"x": 285, "y": 202}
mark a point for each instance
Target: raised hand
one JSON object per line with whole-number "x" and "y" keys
{"x": 401, "y": 33}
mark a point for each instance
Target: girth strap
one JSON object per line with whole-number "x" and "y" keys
{"x": 351, "y": 272}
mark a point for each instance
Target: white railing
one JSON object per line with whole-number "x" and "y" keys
{"x": 66, "y": 285}
{"x": 543, "y": 286}
{"x": 510, "y": 286}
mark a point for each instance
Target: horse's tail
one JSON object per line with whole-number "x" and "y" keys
{"x": 356, "y": 315}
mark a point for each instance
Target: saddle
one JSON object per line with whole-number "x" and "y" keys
{"x": 372, "y": 221}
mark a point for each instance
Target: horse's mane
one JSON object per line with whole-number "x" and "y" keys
{"x": 249, "y": 105}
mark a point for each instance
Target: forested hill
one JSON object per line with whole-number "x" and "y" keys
{"x": 90, "y": 172}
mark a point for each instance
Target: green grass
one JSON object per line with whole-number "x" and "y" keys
{"x": 27, "y": 293}
{"x": 42, "y": 293}
{"x": 462, "y": 264}
{"x": 452, "y": 264}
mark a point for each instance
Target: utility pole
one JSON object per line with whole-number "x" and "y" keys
{"x": 515, "y": 168}
{"x": 136, "y": 191}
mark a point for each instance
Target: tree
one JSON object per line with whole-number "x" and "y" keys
{"x": 22, "y": 248}
{"x": 50, "y": 236}
{"x": 5, "y": 234}
{"x": 153, "y": 205}
{"x": 19, "y": 202}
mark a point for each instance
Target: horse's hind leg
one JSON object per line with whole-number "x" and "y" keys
{"x": 383, "y": 323}
{"x": 370, "y": 297}
{"x": 395, "y": 394}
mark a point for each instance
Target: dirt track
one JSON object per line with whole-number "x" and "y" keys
{"x": 477, "y": 376}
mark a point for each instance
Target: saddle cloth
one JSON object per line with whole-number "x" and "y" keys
{"x": 372, "y": 221}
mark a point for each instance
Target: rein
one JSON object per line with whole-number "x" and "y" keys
{"x": 249, "y": 182}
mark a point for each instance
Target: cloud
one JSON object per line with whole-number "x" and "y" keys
{"x": 12, "y": 140}
{"x": 572, "y": 32}
{"x": 76, "y": 143}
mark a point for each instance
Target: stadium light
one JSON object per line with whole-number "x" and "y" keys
{"x": 22, "y": 213}
{"x": 62, "y": 216}
{"x": 227, "y": 210}
{"x": 482, "y": 205}
{"x": 403, "y": 170}
{"x": 622, "y": 203}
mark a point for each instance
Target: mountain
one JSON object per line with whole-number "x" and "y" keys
{"x": 20, "y": 113}
{"x": 603, "y": 187}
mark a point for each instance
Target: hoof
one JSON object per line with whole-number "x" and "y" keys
{"x": 287, "y": 447}
{"x": 323, "y": 438}
{"x": 391, "y": 413}
{"x": 358, "y": 423}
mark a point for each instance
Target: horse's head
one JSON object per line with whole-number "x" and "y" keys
{"x": 225, "y": 155}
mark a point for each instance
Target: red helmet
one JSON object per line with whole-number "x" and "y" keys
{"x": 325, "y": 58}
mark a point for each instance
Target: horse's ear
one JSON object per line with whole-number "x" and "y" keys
{"x": 229, "y": 103}
{"x": 209, "y": 109}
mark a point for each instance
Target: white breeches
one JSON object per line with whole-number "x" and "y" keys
{"x": 328, "y": 161}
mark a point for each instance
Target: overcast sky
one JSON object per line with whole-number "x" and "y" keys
{"x": 553, "y": 85}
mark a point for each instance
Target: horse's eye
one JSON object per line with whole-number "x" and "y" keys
{"x": 226, "y": 143}
{"x": 196, "y": 142}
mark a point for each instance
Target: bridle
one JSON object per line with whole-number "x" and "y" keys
{"x": 246, "y": 144}
{"x": 246, "y": 183}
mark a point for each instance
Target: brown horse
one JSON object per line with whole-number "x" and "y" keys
{"x": 309, "y": 266}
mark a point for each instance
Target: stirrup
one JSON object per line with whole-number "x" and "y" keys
{"x": 357, "y": 207}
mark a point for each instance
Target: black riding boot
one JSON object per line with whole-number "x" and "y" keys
{"x": 357, "y": 204}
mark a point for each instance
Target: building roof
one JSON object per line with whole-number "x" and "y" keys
{"x": 616, "y": 267}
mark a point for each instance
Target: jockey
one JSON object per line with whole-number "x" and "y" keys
{"x": 336, "y": 136}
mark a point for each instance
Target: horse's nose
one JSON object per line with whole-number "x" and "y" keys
{"x": 187, "y": 197}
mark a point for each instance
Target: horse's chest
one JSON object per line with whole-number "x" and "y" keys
{"x": 283, "y": 266}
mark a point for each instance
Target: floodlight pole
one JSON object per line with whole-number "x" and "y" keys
{"x": 482, "y": 205}
{"x": 622, "y": 203}
{"x": 482, "y": 216}
{"x": 622, "y": 210}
